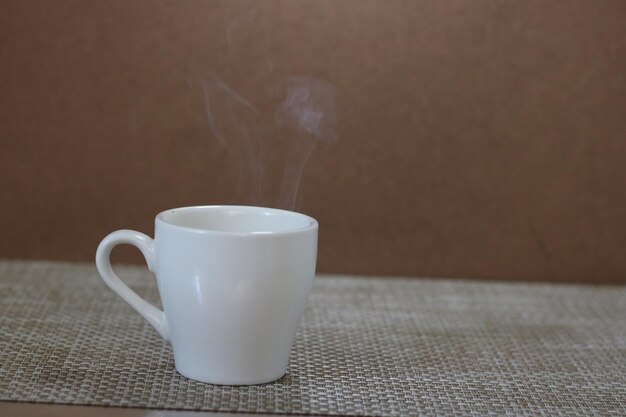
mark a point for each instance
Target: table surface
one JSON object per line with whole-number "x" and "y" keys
{"x": 366, "y": 346}
{"x": 15, "y": 409}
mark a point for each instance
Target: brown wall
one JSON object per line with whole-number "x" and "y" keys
{"x": 475, "y": 138}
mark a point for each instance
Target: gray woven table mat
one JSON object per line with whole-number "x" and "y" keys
{"x": 365, "y": 347}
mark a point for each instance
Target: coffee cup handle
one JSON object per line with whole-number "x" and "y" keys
{"x": 145, "y": 244}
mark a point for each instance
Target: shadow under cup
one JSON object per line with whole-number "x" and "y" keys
{"x": 233, "y": 281}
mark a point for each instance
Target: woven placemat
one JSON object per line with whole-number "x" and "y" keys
{"x": 380, "y": 347}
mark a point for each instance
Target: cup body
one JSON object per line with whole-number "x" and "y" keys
{"x": 233, "y": 282}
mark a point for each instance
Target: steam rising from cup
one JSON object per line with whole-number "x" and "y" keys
{"x": 309, "y": 108}
{"x": 309, "y": 115}
{"x": 237, "y": 125}
{"x": 306, "y": 117}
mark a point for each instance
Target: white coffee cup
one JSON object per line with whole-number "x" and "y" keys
{"x": 233, "y": 281}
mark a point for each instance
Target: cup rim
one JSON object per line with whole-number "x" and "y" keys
{"x": 161, "y": 218}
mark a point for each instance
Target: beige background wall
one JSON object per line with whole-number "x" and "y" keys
{"x": 475, "y": 138}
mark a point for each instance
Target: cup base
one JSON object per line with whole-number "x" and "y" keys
{"x": 231, "y": 381}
